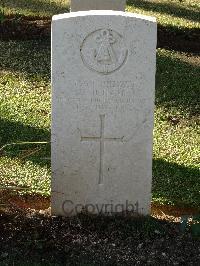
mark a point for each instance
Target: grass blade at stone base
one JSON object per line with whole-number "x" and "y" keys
{"x": 22, "y": 143}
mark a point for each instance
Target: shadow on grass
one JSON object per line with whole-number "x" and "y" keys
{"x": 177, "y": 82}
{"x": 177, "y": 86}
{"x": 166, "y": 8}
{"x": 28, "y": 57}
{"x": 176, "y": 184}
{"x": 36, "y": 6}
{"x": 170, "y": 37}
{"x": 172, "y": 183}
{"x": 178, "y": 39}
{"x": 177, "y": 79}
{"x": 15, "y": 132}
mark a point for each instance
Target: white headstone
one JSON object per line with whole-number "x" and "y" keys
{"x": 103, "y": 79}
{"x": 83, "y": 5}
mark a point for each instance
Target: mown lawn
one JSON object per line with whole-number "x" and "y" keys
{"x": 25, "y": 117}
{"x": 25, "y": 114}
{"x": 173, "y": 13}
{"x": 34, "y": 8}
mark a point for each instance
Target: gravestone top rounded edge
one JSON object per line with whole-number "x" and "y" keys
{"x": 103, "y": 13}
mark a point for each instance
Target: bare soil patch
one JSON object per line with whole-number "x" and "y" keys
{"x": 39, "y": 203}
{"x": 36, "y": 238}
{"x": 30, "y": 235}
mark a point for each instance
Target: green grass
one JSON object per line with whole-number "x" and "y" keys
{"x": 174, "y": 13}
{"x": 34, "y": 8}
{"x": 176, "y": 134}
{"x": 25, "y": 116}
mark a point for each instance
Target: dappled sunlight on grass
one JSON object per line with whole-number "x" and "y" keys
{"x": 175, "y": 183}
{"x": 174, "y": 13}
{"x": 176, "y": 159}
{"x": 34, "y": 8}
{"x": 25, "y": 116}
{"x": 176, "y": 138}
{"x": 177, "y": 82}
{"x": 25, "y": 83}
{"x": 30, "y": 58}
{"x": 36, "y": 178}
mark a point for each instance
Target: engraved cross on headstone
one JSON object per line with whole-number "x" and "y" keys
{"x": 102, "y": 140}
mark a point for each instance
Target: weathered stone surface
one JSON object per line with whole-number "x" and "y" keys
{"x": 84, "y": 5}
{"x": 103, "y": 80}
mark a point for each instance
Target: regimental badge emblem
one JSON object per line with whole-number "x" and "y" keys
{"x": 104, "y": 51}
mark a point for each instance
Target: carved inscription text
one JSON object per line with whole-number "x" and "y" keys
{"x": 102, "y": 96}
